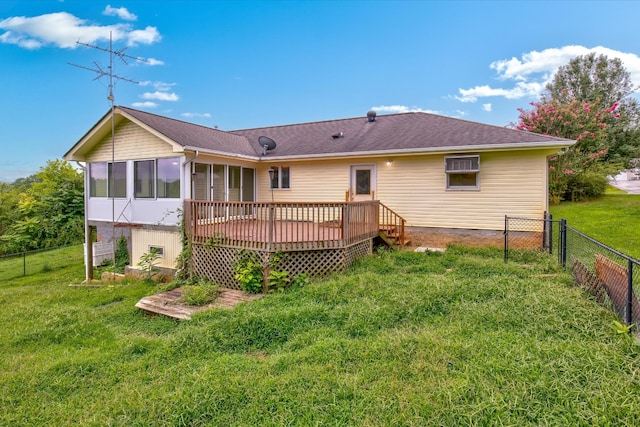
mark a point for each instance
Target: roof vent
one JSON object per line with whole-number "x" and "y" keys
{"x": 371, "y": 116}
{"x": 337, "y": 135}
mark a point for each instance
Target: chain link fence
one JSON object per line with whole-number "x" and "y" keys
{"x": 612, "y": 277}
{"x": 38, "y": 261}
{"x": 526, "y": 234}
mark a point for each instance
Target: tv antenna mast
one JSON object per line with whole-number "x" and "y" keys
{"x": 109, "y": 72}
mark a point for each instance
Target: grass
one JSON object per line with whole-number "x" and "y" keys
{"x": 406, "y": 338}
{"x": 38, "y": 262}
{"x": 613, "y": 219}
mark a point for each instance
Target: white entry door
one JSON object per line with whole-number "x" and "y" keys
{"x": 362, "y": 184}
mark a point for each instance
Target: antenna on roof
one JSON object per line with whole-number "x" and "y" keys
{"x": 109, "y": 73}
{"x": 267, "y": 144}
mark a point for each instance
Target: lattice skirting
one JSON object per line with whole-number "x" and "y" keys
{"x": 217, "y": 262}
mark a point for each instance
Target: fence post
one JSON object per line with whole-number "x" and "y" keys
{"x": 563, "y": 243}
{"x": 550, "y": 234}
{"x": 506, "y": 239}
{"x": 545, "y": 231}
{"x": 24, "y": 263}
{"x": 629, "y": 314}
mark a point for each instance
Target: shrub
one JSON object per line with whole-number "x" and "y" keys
{"x": 147, "y": 264}
{"x": 122, "y": 254}
{"x": 249, "y": 272}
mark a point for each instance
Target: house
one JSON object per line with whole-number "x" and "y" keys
{"x": 435, "y": 172}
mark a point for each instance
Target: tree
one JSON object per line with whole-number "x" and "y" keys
{"x": 603, "y": 82}
{"x": 587, "y": 101}
{"x": 43, "y": 210}
{"x": 580, "y": 171}
{"x": 591, "y": 78}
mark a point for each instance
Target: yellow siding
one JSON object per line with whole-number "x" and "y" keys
{"x": 141, "y": 240}
{"x": 511, "y": 183}
{"x": 319, "y": 181}
{"x": 131, "y": 142}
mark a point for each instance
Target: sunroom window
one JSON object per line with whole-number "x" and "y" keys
{"x": 462, "y": 172}
{"x": 157, "y": 178}
{"x": 108, "y": 179}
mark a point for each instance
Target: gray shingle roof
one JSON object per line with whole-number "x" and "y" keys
{"x": 388, "y": 134}
{"x": 394, "y": 132}
{"x": 196, "y": 136}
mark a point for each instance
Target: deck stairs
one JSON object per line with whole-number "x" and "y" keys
{"x": 392, "y": 228}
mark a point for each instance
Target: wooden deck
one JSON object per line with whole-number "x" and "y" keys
{"x": 289, "y": 226}
{"x": 169, "y": 303}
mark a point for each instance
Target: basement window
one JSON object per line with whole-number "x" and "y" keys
{"x": 462, "y": 172}
{"x": 158, "y": 249}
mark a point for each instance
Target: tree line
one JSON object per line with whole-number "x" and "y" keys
{"x": 42, "y": 210}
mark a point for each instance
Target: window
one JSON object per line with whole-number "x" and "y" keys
{"x": 462, "y": 172}
{"x": 118, "y": 186}
{"x": 108, "y": 179}
{"x": 157, "y": 178}
{"x": 281, "y": 177}
{"x": 143, "y": 175}
{"x": 159, "y": 250}
{"x": 98, "y": 180}
{"x": 363, "y": 181}
{"x": 168, "y": 183}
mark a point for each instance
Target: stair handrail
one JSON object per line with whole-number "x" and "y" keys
{"x": 397, "y": 220}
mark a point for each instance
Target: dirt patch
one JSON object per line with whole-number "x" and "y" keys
{"x": 441, "y": 237}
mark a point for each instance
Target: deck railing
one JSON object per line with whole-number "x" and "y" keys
{"x": 275, "y": 226}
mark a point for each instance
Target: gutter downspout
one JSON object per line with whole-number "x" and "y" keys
{"x": 185, "y": 163}
{"x": 88, "y": 265}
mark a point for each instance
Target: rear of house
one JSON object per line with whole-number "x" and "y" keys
{"x": 435, "y": 172}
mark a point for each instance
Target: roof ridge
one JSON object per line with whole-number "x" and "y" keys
{"x": 170, "y": 118}
{"x": 316, "y": 122}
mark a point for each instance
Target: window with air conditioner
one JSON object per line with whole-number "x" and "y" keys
{"x": 463, "y": 172}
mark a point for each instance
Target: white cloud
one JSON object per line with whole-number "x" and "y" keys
{"x": 530, "y": 73}
{"x": 146, "y": 104}
{"x": 151, "y": 61}
{"x": 190, "y": 115}
{"x": 486, "y": 107}
{"x": 395, "y": 109}
{"x": 120, "y": 12}
{"x": 63, "y": 30}
{"x": 160, "y": 96}
{"x": 157, "y": 85}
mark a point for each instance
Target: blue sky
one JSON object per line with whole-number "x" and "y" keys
{"x": 245, "y": 64}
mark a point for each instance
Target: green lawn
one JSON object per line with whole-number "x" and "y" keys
{"x": 39, "y": 262}
{"x": 403, "y": 338}
{"x": 613, "y": 219}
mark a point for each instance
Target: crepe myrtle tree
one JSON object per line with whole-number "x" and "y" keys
{"x": 580, "y": 171}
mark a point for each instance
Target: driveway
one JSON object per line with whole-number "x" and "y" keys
{"x": 631, "y": 187}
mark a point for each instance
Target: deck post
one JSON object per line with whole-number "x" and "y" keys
{"x": 270, "y": 220}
